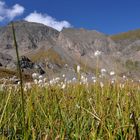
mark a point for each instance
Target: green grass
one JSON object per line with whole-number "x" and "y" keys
{"x": 77, "y": 112}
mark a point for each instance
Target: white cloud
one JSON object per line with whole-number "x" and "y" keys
{"x": 47, "y": 20}
{"x": 10, "y": 13}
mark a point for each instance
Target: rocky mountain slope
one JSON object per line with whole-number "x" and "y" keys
{"x": 47, "y": 51}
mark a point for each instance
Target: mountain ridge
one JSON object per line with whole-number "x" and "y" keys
{"x": 52, "y": 50}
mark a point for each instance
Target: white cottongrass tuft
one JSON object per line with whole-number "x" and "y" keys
{"x": 63, "y": 86}
{"x": 35, "y": 75}
{"x": 78, "y": 68}
{"x": 27, "y": 86}
{"x": 103, "y": 71}
{"x": 74, "y": 79}
{"x": 35, "y": 81}
{"x": 77, "y": 106}
{"x": 112, "y": 73}
{"x": 101, "y": 84}
{"x": 97, "y": 53}
{"x": 124, "y": 77}
{"x": 40, "y": 77}
{"x": 63, "y": 75}
{"x": 112, "y": 81}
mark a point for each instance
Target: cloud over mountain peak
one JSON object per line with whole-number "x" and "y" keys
{"x": 47, "y": 20}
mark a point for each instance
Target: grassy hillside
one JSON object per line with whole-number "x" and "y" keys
{"x": 131, "y": 35}
{"x": 50, "y": 54}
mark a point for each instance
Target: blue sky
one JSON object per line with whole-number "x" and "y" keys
{"x": 108, "y": 16}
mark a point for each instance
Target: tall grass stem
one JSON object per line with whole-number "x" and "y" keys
{"x": 20, "y": 76}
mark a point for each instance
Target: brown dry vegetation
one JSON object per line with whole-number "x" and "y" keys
{"x": 50, "y": 54}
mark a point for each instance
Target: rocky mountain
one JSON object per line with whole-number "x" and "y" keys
{"x": 128, "y": 44}
{"x": 47, "y": 51}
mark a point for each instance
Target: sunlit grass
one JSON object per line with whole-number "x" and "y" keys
{"x": 76, "y": 112}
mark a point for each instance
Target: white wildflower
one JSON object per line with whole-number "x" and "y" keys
{"x": 101, "y": 84}
{"x": 40, "y": 81}
{"x": 35, "y": 81}
{"x": 18, "y": 82}
{"x": 97, "y": 53}
{"x": 112, "y": 73}
{"x": 74, "y": 79}
{"x": 121, "y": 86}
{"x": 44, "y": 80}
{"x": 78, "y": 69}
{"x": 63, "y": 86}
{"x": 93, "y": 78}
{"x": 28, "y": 85}
{"x": 35, "y": 75}
{"x": 112, "y": 82}
{"x": 63, "y": 75}
{"x": 103, "y": 72}
{"x": 40, "y": 77}
{"x": 124, "y": 77}
{"x": 77, "y": 106}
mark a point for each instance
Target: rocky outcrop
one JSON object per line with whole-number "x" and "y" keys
{"x": 27, "y": 65}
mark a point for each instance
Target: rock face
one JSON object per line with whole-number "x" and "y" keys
{"x": 81, "y": 45}
{"x": 27, "y": 65}
{"x": 46, "y": 50}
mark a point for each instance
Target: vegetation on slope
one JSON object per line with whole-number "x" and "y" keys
{"x": 6, "y": 73}
{"x": 131, "y": 35}
{"x": 49, "y": 54}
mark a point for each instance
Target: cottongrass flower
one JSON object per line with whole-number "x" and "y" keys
{"x": 84, "y": 80}
{"x": 63, "y": 86}
{"x": 35, "y": 75}
{"x": 121, "y": 86}
{"x": 18, "y": 83}
{"x": 101, "y": 84}
{"x": 97, "y": 53}
{"x": 27, "y": 86}
{"x": 63, "y": 75}
{"x": 112, "y": 73}
{"x": 112, "y": 81}
{"x": 77, "y": 106}
{"x": 78, "y": 68}
{"x": 40, "y": 77}
{"x": 44, "y": 80}
{"x": 35, "y": 81}
{"x": 103, "y": 72}
{"x": 124, "y": 77}
{"x": 69, "y": 82}
{"x": 40, "y": 81}
{"x": 94, "y": 81}
{"x": 93, "y": 77}
{"x": 74, "y": 79}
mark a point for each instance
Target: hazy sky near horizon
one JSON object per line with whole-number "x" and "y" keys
{"x": 108, "y": 16}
